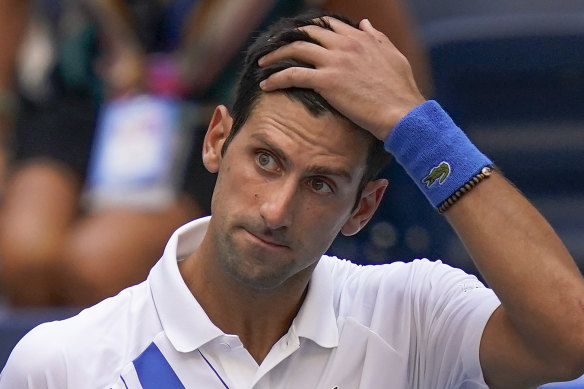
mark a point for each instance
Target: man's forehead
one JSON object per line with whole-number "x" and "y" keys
{"x": 276, "y": 100}
{"x": 295, "y": 114}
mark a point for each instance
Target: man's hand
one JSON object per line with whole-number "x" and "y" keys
{"x": 358, "y": 71}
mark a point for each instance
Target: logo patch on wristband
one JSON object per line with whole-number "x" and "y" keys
{"x": 438, "y": 173}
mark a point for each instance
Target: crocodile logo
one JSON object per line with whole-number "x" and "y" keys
{"x": 439, "y": 173}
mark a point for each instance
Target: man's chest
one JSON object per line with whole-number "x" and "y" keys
{"x": 360, "y": 360}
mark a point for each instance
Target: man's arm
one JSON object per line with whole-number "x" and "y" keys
{"x": 537, "y": 335}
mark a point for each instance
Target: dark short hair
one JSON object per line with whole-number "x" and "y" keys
{"x": 248, "y": 92}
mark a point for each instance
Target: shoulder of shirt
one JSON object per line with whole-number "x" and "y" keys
{"x": 352, "y": 281}
{"x": 396, "y": 291}
{"x": 109, "y": 334}
{"x": 345, "y": 268}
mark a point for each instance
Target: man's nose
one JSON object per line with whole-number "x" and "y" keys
{"x": 277, "y": 204}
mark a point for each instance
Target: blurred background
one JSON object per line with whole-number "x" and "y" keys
{"x": 90, "y": 185}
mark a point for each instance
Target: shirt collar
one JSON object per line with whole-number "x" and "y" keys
{"x": 316, "y": 319}
{"x": 186, "y": 324}
{"x": 184, "y": 321}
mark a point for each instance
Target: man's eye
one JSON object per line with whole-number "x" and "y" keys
{"x": 319, "y": 185}
{"x": 266, "y": 161}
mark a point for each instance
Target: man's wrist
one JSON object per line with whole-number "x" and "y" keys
{"x": 396, "y": 114}
{"x": 435, "y": 152}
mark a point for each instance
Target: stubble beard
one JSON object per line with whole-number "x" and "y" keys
{"x": 249, "y": 266}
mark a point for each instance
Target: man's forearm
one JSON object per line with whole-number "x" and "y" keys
{"x": 538, "y": 334}
{"x": 528, "y": 267}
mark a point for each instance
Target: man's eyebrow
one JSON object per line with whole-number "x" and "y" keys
{"x": 273, "y": 148}
{"x": 313, "y": 169}
{"x": 330, "y": 171}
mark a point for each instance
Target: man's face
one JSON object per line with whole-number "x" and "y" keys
{"x": 286, "y": 186}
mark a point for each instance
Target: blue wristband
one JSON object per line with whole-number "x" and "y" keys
{"x": 435, "y": 152}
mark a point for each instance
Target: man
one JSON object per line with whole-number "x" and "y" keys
{"x": 246, "y": 299}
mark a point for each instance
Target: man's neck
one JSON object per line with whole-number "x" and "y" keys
{"x": 259, "y": 317}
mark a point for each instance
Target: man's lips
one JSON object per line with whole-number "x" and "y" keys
{"x": 268, "y": 241}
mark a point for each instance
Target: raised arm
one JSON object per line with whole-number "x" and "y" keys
{"x": 537, "y": 335}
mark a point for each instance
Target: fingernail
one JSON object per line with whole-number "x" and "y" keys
{"x": 261, "y": 60}
{"x": 262, "y": 84}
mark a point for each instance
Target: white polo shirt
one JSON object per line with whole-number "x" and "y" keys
{"x": 403, "y": 325}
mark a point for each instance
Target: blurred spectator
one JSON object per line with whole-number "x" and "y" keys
{"x": 12, "y": 25}
{"x": 54, "y": 251}
{"x": 59, "y": 244}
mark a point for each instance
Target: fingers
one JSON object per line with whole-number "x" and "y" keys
{"x": 366, "y": 26}
{"x": 308, "y": 52}
{"x": 315, "y": 54}
{"x": 330, "y": 57}
{"x": 297, "y": 77}
{"x": 302, "y": 51}
{"x": 347, "y": 30}
{"x": 341, "y": 27}
{"x": 340, "y": 31}
{"x": 325, "y": 37}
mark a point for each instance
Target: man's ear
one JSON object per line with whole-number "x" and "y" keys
{"x": 218, "y": 131}
{"x": 370, "y": 199}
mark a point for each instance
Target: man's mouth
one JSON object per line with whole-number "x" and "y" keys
{"x": 268, "y": 240}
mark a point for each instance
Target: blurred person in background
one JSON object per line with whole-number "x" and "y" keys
{"x": 59, "y": 244}
{"x": 12, "y": 27}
